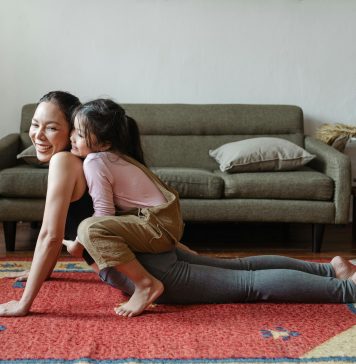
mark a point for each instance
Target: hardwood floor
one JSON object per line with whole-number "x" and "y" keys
{"x": 233, "y": 239}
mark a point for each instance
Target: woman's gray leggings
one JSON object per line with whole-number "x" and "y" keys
{"x": 189, "y": 279}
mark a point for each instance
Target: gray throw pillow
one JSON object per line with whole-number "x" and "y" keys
{"x": 29, "y": 156}
{"x": 260, "y": 154}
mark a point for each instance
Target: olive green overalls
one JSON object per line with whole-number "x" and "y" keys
{"x": 111, "y": 240}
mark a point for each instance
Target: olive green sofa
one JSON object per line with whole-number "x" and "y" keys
{"x": 176, "y": 140}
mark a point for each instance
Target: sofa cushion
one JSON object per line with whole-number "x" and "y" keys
{"x": 29, "y": 156}
{"x": 29, "y": 182}
{"x": 304, "y": 184}
{"x": 192, "y": 182}
{"x": 23, "y": 181}
{"x": 260, "y": 154}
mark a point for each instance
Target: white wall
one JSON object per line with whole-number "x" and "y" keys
{"x": 191, "y": 51}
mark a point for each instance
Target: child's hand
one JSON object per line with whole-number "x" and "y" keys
{"x": 74, "y": 248}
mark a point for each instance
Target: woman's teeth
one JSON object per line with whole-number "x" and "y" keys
{"x": 43, "y": 148}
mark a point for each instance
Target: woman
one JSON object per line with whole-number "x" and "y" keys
{"x": 187, "y": 278}
{"x": 49, "y": 132}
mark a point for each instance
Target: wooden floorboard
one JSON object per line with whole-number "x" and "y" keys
{"x": 233, "y": 239}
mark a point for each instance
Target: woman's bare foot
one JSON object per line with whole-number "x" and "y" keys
{"x": 74, "y": 248}
{"x": 343, "y": 268}
{"x": 148, "y": 291}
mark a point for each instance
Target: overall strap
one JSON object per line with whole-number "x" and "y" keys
{"x": 167, "y": 215}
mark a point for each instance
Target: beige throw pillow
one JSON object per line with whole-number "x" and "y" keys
{"x": 29, "y": 156}
{"x": 260, "y": 154}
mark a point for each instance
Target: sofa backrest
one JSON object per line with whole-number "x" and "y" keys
{"x": 26, "y": 116}
{"x": 180, "y": 135}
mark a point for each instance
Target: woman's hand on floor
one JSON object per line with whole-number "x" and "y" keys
{"x": 13, "y": 308}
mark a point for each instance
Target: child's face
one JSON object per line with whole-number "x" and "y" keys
{"x": 80, "y": 147}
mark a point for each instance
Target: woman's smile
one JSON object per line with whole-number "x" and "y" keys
{"x": 42, "y": 148}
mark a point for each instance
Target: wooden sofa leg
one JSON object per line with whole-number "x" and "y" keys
{"x": 286, "y": 232}
{"x": 318, "y": 234}
{"x": 10, "y": 235}
{"x": 34, "y": 224}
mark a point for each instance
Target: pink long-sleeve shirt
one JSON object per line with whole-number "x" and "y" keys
{"x": 114, "y": 183}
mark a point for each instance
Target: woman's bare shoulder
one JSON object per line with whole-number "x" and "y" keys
{"x": 66, "y": 171}
{"x": 65, "y": 159}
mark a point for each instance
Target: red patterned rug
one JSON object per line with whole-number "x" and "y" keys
{"x": 73, "y": 321}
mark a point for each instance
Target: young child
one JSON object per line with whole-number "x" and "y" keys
{"x": 120, "y": 184}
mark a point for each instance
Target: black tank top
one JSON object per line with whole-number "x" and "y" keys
{"x": 77, "y": 212}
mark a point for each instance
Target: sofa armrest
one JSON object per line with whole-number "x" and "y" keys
{"x": 337, "y": 166}
{"x": 9, "y": 146}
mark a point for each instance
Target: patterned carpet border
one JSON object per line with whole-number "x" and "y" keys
{"x": 331, "y": 359}
{"x": 63, "y": 266}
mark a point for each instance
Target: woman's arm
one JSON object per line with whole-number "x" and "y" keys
{"x": 66, "y": 183}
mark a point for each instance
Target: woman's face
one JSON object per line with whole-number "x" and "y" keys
{"x": 49, "y": 131}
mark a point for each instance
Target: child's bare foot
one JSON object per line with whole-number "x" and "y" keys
{"x": 143, "y": 296}
{"x": 343, "y": 268}
{"x": 74, "y": 248}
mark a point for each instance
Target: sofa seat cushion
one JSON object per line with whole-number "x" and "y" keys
{"x": 303, "y": 184}
{"x": 26, "y": 181}
{"x": 192, "y": 182}
{"x": 23, "y": 181}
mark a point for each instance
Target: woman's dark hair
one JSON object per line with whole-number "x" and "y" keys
{"x": 108, "y": 121}
{"x": 65, "y": 101}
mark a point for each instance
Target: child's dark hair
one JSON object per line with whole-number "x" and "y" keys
{"x": 65, "y": 101}
{"x": 108, "y": 121}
